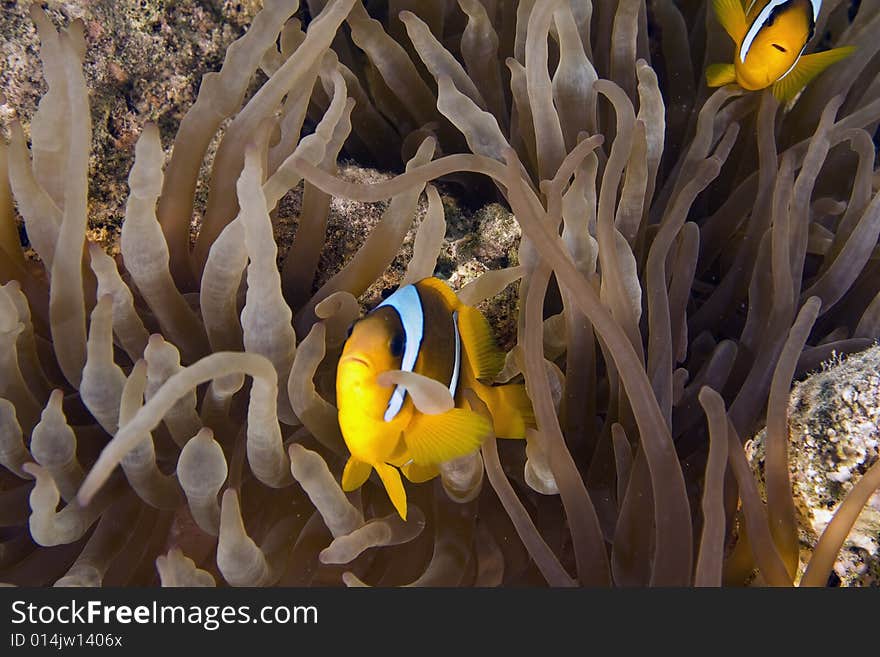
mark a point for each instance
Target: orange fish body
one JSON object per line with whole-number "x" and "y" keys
{"x": 425, "y": 330}
{"x": 771, "y": 37}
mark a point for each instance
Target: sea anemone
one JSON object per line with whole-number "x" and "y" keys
{"x": 169, "y": 415}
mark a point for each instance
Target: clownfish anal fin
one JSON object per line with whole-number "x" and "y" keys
{"x": 355, "y": 474}
{"x": 807, "y": 68}
{"x": 479, "y": 344}
{"x": 717, "y": 75}
{"x": 393, "y": 485}
{"x": 732, "y": 17}
{"x": 433, "y": 439}
{"x": 419, "y": 473}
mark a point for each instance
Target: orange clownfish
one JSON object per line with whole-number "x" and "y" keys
{"x": 399, "y": 386}
{"x": 770, "y": 37}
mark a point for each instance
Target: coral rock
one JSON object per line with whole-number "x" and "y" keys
{"x": 834, "y": 437}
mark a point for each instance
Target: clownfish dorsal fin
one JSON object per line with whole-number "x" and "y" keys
{"x": 732, "y": 17}
{"x": 807, "y": 68}
{"x": 393, "y": 486}
{"x": 717, "y": 75}
{"x": 433, "y": 439}
{"x": 479, "y": 344}
{"x": 355, "y": 474}
{"x": 441, "y": 288}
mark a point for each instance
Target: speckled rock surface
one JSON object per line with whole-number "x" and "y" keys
{"x": 834, "y": 433}
{"x": 476, "y": 241}
{"x": 144, "y": 61}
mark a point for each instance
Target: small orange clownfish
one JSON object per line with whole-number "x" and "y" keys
{"x": 399, "y": 386}
{"x": 770, "y": 37}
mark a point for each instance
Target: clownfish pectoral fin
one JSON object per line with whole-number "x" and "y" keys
{"x": 355, "y": 474}
{"x": 479, "y": 344}
{"x": 393, "y": 486}
{"x": 419, "y": 473}
{"x": 717, "y": 75}
{"x": 732, "y": 17}
{"x": 433, "y": 439}
{"x": 807, "y": 68}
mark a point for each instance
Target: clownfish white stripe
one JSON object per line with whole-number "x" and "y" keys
{"x": 757, "y": 25}
{"x": 408, "y": 304}
{"x": 394, "y": 404}
{"x": 456, "y": 366}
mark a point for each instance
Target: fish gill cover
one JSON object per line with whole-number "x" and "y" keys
{"x": 168, "y": 415}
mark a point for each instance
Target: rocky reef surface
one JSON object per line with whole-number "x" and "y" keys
{"x": 834, "y": 437}
{"x": 144, "y": 61}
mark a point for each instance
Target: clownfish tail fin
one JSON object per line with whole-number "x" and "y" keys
{"x": 732, "y": 17}
{"x": 394, "y": 486}
{"x": 479, "y": 344}
{"x": 806, "y": 69}
{"x": 717, "y": 75}
{"x": 515, "y": 414}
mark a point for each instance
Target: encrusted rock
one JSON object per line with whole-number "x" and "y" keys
{"x": 834, "y": 437}
{"x": 476, "y": 241}
{"x": 144, "y": 61}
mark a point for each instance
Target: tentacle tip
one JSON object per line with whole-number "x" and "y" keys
{"x": 353, "y": 581}
{"x": 36, "y": 11}
{"x": 84, "y": 496}
{"x": 150, "y": 130}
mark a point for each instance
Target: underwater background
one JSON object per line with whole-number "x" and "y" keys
{"x": 197, "y": 200}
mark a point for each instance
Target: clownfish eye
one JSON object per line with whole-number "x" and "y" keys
{"x": 779, "y": 48}
{"x": 396, "y": 345}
